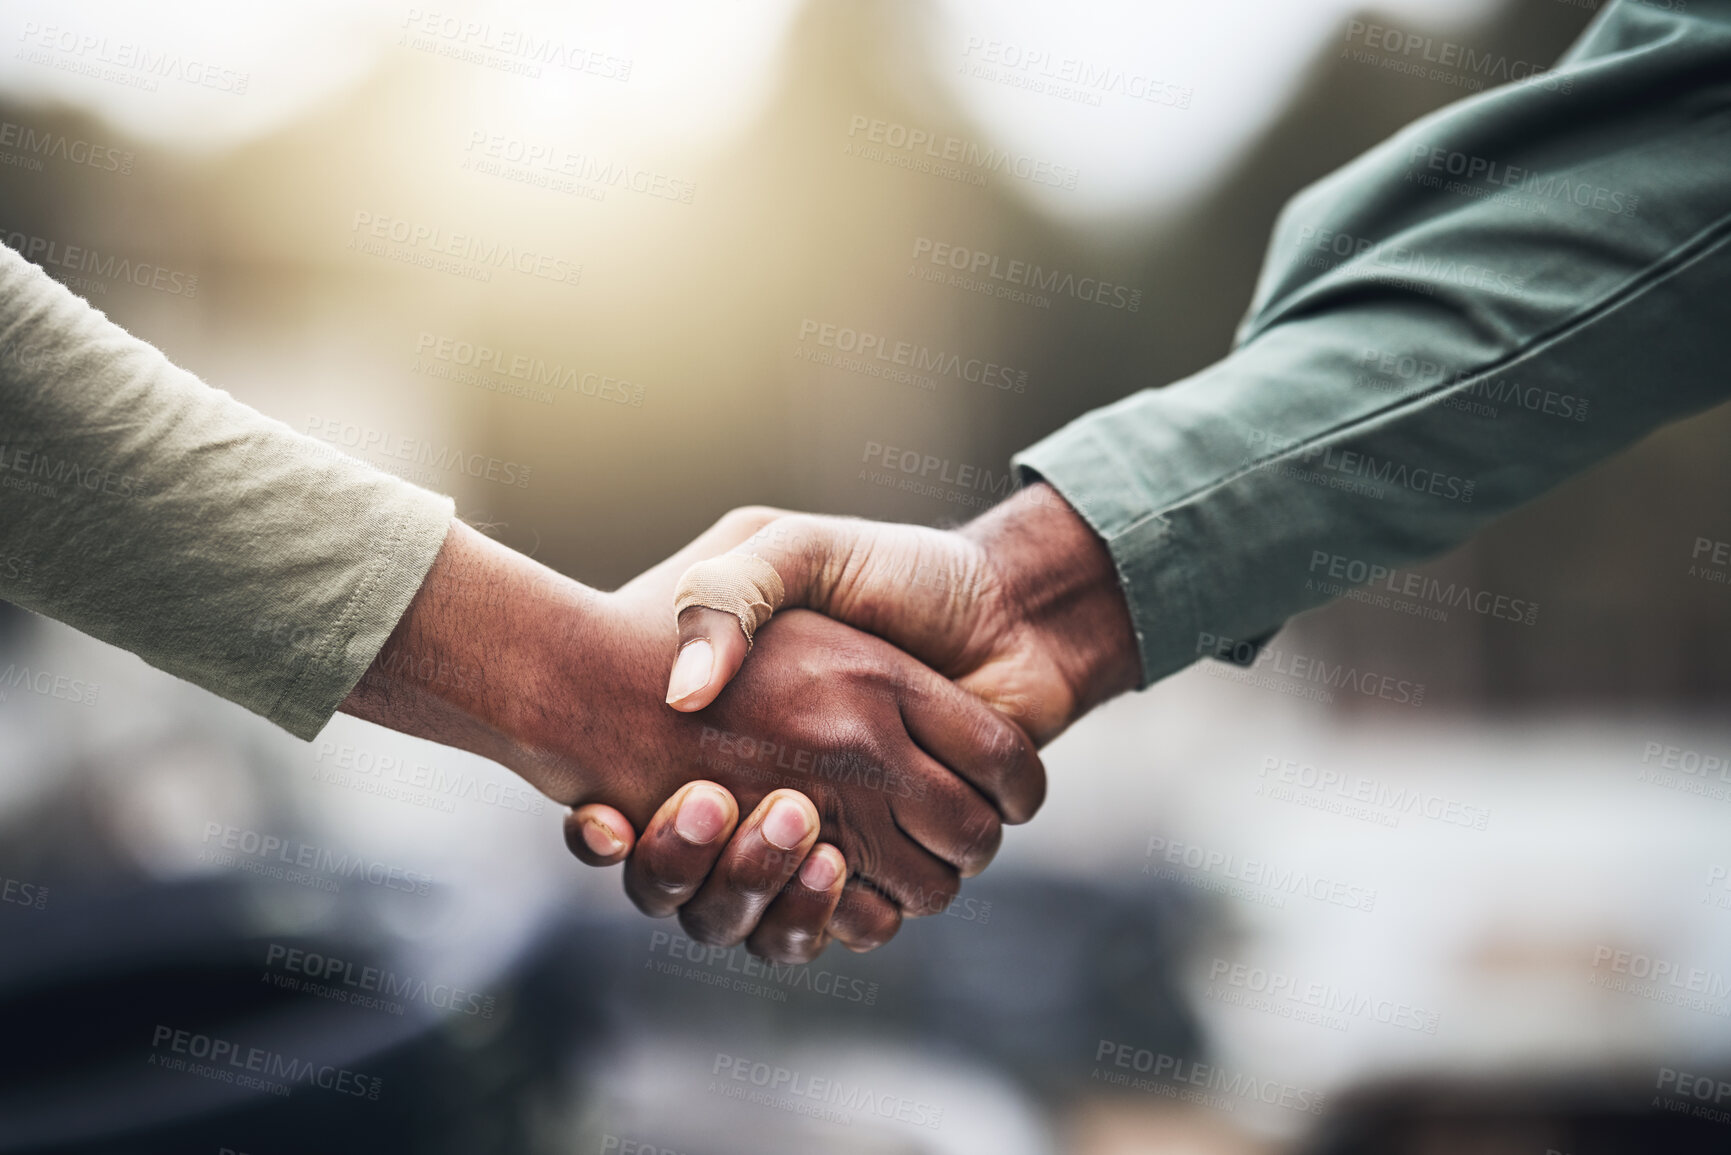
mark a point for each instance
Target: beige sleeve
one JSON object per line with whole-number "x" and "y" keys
{"x": 145, "y": 508}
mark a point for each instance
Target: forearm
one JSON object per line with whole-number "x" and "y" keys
{"x": 158, "y": 514}
{"x": 465, "y": 666}
{"x": 1423, "y": 356}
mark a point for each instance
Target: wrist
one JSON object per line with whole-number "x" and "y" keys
{"x": 466, "y": 665}
{"x": 1060, "y": 577}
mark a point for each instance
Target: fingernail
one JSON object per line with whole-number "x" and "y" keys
{"x": 820, "y": 870}
{"x": 691, "y": 671}
{"x": 701, "y": 816}
{"x": 600, "y": 839}
{"x": 786, "y": 825}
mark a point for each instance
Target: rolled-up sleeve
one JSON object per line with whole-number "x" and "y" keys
{"x": 145, "y": 508}
{"x": 1504, "y": 293}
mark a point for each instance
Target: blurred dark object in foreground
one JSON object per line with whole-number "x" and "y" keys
{"x": 1626, "y": 1112}
{"x": 130, "y": 1015}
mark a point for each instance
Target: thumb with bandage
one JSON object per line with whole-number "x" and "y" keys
{"x": 1021, "y": 607}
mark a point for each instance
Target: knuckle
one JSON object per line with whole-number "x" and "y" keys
{"x": 797, "y": 534}
{"x": 786, "y": 946}
{"x": 747, "y": 519}
{"x": 860, "y": 939}
{"x": 979, "y": 839}
{"x": 863, "y": 845}
{"x": 749, "y": 882}
{"x": 1017, "y": 779}
{"x": 774, "y": 863}
{"x": 666, "y": 890}
{"x": 863, "y": 920}
{"x": 934, "y": 897}
{"x": 1034, "y": 788}
{"x": 656, "y": 898}
{"x": 702, "y": 926}
{"x": 999, "y": 742}
{"x": 855, "y": 746}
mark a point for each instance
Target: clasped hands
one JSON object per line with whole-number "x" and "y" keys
{"x": 882, "y": 728}
{"x": 911, "y": 776}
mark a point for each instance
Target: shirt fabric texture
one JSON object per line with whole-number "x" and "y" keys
{"x": 163, "y": 516}
{"x": 1504, "y": 293}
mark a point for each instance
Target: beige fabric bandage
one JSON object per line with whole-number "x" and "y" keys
{"x": 741, "y": 584}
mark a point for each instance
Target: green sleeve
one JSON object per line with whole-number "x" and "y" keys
{"x": 1504, "y": 293}
{"x": 163, "y": 516}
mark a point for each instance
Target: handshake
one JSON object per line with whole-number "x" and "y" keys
{"x": 877, "y": 735}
